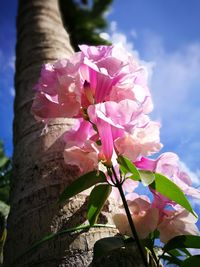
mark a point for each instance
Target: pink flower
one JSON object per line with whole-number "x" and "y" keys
{"x": 133, "y": 86}
{"x": 81, "y": 131}
{"x": 85, "y": 158}
{"x": 168, "y": 165}
{"x": 143, "y": 141}
{"x": 145, "y": 218}
{"x": 105, "y": 88}
{"x": 124, "y": 128}
{"x": 96, "y": 53}
{"x": 58, "y": 84}
{"x": 45, "y": 106}
{"x": 176, "y": 223}
{"x": 94, "y": 75}
{"x": 80, "y": 149}
{"x": 128, "y": 186}
{"x": 130, "y": 79}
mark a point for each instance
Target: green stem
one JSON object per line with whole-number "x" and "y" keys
{"x": 157, "y": 260}
{"x": 132, "y": 226}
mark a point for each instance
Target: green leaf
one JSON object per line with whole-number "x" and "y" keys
{"x": 174, "y": 252}
{"x": 179, "y": 252}
{"x": 185, "y": 251}
{"x": 170, "y": 190}
{"x": 3, "y": 161}
{"x": 148, "y": 243}
{"x": 127, "y": 166}
{"x": 171, "y": 259}
{"x": 96, "y": 201}
{"x": 193, "y": 261}
{"x": 182, "y": 241}
{"x": 4, "y": 208}
{"x": 82, "y": 183}
{"x": 105, "y": 245}
{"x": 147, "y": 177}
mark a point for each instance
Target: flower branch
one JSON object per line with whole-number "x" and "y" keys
{"x": 104, "y": 89}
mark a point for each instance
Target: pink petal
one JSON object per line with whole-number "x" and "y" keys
{"x": 45, "y": 107}
{"x": 79, "y": 134}
{"x": 177, "y": 223}
{"x": 145, "y": 218}
{"x": 106, "y": 138}
{"x": 129, "y": 185}
{"x": 146, "y": 164}
{"x": 85, "y": 159}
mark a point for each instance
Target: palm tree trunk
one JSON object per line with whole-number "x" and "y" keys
{"x": 39, "y": 171}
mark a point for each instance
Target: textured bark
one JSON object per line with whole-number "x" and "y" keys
{"x": 39, "y": 170}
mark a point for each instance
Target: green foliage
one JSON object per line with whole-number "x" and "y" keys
{"x": 183, "y": 241}
{"x": 175, "y": 251}
{"x": 5, "y": 169}
{"x": 156, "y": 181}
{"x": 84, "y": 22}
{"x": 147, "y": 177}
{"x": 82, "y": 183}
{"x": 191, "y": 261}
{"x": 97, "y": 199}
{"x": 127, "y": 167}
{"x": 5, "y": 178}
{"x": 171, "y": 260}
{"x": 170, "y": 190}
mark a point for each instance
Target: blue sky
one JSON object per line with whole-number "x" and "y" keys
{"x": 7, "y": 57}
{"x": 165, "y": 36}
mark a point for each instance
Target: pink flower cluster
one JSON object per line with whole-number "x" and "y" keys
{"x": 162, "y": 214}
{"x": 105, "y": 90}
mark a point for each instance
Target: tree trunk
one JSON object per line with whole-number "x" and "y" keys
{"x": 40, "y": 174}
{"x": 39, "y": 170}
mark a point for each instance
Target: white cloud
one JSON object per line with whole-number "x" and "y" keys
{"x": 113, "y": 26}
{"x": 175, "y": 88}
{"x": 174, "y": 82}
{"x": 194, "y": 251}
{"x": 176, "y": 77}
{"x": 104, "y": 35}
{"x": 11, "y": 62}
{"x": 108, "y": 12}
{"x": 134, "y": 34}
{"x": 7, "y": 61}
{"x": 117, "y": 37}
{"x": 12, "y": 91}
{"x": 195, "y": 176}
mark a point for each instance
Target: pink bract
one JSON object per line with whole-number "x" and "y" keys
{"x": 142, "y": 141}
{"x": 94, "y": 75}
{"x": 144, "y": 216}
{"x": 168, "y": 165}
{"x": 105, "y": 87}
{"x": 124, "y": 128}
{"x": 176, "y": 223}
{"x": 128, "y": 186}
{"x": 85, "y": 158}
{"x": 79, "y": 133}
